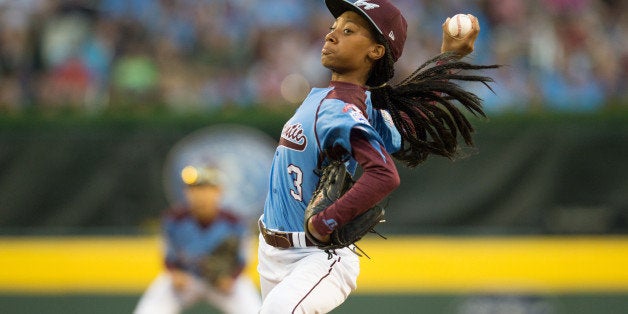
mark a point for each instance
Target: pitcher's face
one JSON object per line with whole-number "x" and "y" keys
{"x": 350, "y": 45}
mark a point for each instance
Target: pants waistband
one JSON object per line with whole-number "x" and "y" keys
{"x": 282, "y": 239}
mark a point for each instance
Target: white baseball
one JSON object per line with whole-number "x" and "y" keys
{"x": 459, "y": 25}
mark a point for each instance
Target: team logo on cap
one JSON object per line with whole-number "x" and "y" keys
{"x": 366, "y": 4}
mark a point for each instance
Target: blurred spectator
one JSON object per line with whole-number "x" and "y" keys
{"x": 568, "y": 55}
{"x": 135, "y": 75}
{"x": 17, "y": 51}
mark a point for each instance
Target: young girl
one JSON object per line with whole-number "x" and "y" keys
{"x": 361, "y": 120}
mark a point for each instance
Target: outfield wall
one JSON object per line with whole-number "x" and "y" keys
{"x": 546, "y": 174}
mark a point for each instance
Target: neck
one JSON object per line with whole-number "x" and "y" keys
{"x": 353, "y": 78}
{"x": 347, "y": 85}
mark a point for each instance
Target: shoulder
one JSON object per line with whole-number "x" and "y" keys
{"x": 347, "y": 100}
{"x": 335, "y": 111}
{"x": 348, "y": 93}
{"x": 176, "y": 213}
{"x": 235, "y": 225}
{"x": 230, "y": 218}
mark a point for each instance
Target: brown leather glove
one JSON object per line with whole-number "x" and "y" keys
{"x": 334, "y": 182}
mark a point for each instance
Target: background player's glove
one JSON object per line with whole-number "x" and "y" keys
{"x": 334, "y": 182}
{"x": 223, "y": 261}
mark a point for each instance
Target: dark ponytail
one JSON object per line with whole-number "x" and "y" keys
{"x": 424, "y": 105}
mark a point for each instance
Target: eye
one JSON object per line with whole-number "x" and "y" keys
{"x": 347, "y": 31}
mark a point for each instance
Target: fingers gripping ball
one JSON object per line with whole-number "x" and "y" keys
{"x": 335, "y": 181}
{"x": 459, "y": 25}
{"x": 459, "y": 34}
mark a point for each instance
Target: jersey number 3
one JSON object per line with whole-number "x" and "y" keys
{"x": 297, "y": 179}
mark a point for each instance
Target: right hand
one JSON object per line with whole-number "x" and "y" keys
{"x": 461, "y": 46}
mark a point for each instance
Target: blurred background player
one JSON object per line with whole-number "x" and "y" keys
{"x": 205, "y": 253}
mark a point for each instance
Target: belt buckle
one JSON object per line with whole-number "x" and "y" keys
{"x": 276, "y": 239}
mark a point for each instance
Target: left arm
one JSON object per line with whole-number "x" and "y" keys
{"x": 379, "y": 179}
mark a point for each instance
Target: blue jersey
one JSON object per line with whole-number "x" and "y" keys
{"x": 189, "y": 242}
{"x": 321, "y": 122}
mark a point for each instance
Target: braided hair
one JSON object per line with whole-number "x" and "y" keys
{"x": 423, "y": 105}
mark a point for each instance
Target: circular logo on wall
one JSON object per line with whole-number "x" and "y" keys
{"x": 242, "y": 157}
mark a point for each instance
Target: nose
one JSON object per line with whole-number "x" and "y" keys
{"x": 330, "y": 37}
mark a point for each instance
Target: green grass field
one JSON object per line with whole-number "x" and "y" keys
{"x": 358, "y": 303}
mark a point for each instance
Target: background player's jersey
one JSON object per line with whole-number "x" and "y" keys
{"x": 321, "y": 122}
{"x": 189, "y": 243}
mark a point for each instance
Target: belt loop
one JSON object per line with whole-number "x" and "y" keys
{"x": 295, "y": 239}
{"x": 298, "y": 238}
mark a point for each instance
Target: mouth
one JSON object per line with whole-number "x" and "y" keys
{"x": 326, "y": 51}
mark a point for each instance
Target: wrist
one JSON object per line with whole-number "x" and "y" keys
{"x": 311, "y": 227}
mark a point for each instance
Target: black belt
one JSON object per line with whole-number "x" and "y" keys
{"x": 282, "y": 239}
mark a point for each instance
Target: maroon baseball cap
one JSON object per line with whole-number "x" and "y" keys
{"x": 382, "y": 14}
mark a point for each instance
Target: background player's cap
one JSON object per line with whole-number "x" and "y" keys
{"x": 382, "y": 14}
{"x": 194, "y": 176}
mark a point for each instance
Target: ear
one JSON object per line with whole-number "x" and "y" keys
{"x": 377, "y": 51}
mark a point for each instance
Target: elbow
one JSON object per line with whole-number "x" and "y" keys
{"x": 391, "y": 179}
{"x": 395, "y": 181}
{"x": 394, "y": 175}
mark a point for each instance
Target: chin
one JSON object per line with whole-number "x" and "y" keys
{"x": 327, "y": 65}
{"x": 326, "y": 61}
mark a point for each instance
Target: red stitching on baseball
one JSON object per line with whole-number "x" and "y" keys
{"x": 459, "y": 25}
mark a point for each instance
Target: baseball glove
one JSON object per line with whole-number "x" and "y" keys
{"x": 223, "y": 261}
{"x": 334, "y": 182}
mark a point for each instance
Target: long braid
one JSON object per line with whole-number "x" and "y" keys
{"x": 423, "y": 106}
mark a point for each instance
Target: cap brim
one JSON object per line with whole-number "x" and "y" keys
{"x": 337, "y": 7}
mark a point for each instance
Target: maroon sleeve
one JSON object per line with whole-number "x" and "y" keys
{"x": 379, "y": 178}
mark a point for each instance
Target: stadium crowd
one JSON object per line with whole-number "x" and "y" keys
{"x": 208, "y": 54}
